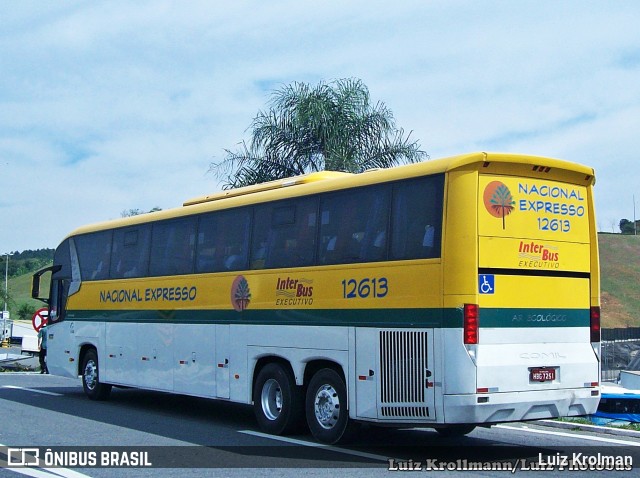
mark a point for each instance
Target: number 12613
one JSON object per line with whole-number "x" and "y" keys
{"x": 376, "y": 288}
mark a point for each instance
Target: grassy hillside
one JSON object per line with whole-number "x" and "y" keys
{"x": 20, "y": 294}
{"x": 20, "y": 289}
{"x": 620, "y": 277}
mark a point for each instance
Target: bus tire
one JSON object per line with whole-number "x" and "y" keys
{"x": 91, "y": 384}
{"x": 455, "y": 430}
{"x": 277, "y": 401}
{"x": 326, "y": 408}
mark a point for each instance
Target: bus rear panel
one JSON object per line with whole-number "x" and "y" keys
{"x": 530, "y": 319}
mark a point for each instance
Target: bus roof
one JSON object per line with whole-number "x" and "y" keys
{"x": 501, "y": 163}
{"x": 277, "y": 184}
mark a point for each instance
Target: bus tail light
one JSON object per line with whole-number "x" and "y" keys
{"x": 471, "y": 325}
{"x": 595, "y": 324}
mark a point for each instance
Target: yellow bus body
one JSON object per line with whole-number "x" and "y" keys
{"x": 518, "y": 241}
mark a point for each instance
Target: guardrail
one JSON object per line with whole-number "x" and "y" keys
{"x": 620, "y": 334}
{"x": 620, "y": 351}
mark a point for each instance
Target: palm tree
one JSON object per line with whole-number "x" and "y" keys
{"x": 332, "y": 126}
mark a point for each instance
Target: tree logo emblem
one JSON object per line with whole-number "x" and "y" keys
{"x": 498, "y": 200}
{"x": 240, "y": 294}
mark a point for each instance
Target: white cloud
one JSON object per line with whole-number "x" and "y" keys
{"x": 107, "y": 106}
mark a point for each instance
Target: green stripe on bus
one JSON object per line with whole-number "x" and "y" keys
{"x": 311, "y": 317}
{"x": 518, "y": 318}
{"x": 410, "y": 318}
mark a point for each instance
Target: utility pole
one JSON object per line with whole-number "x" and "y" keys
{"x": 5, "y": 340}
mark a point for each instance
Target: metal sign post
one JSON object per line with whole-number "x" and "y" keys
{"x": 5, "y": 336}
{"x": 5, "y": 313}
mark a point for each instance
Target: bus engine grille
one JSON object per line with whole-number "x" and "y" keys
{"x": 403, "y": 365}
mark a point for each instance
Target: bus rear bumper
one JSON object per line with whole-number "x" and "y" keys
{"x": 519, "y": 406}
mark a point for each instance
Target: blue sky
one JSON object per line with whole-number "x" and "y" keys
{"x": 107, "y": 106}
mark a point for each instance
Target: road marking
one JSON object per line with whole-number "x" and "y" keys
{"x": 33, "y": 390}
{"x": 66, "y": 473}
{"x": 49, "y": 473}
{"x": 32, "y": 472}
{"x": 44, "y": 472}
{"x": 336, "y": 449}
{"x": 571, "y": 435}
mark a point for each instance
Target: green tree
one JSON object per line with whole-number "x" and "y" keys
{"x": 137, "y": 212}
{"x": 5, "y": 296}
{"x": 331, "y": 126}
{"x": 26, "y": 311}
{"x": 626, "y": 226}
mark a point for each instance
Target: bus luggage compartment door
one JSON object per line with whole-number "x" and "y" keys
{"x": 366, "y": 373}
{"x": 222, "y": 360}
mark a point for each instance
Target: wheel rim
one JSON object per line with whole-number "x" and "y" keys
{"x": 271, "y": 399}
{"x": 90, "y": 374}
{"x": 327, "y": 406}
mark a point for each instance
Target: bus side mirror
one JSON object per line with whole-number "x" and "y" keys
{"x": 35, "y": 283}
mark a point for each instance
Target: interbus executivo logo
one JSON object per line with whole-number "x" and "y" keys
{"x": 498, "y": 200}
{"x": 240, "y": 294}
{"x": 294, "y": 292}
{"x": 538, "y": 255}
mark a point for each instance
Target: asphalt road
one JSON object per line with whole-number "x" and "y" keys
{"x": 185, "y": 436}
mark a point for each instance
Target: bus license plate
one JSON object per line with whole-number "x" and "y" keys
{"x": 543, "y": 374}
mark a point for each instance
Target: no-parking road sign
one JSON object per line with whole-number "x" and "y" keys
{"x": 40, "y": 318}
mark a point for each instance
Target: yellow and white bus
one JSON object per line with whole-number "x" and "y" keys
{"x": 450, "y": 294}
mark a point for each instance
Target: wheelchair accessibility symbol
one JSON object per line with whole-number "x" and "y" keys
{"x": 486, "y": 283}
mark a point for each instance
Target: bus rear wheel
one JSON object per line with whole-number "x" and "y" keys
{"x": 91, "y": 384}
{"x": 326, "y": 408}
{"x": 278, "y": 401}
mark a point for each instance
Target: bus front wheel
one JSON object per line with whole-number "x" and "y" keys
{"x": 326, "y": 408}
{"x": 91, "y": 384}
{"x": 277, "y": 401}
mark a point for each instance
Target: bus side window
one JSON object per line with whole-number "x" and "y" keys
{"x": 354, "y": 226}
{"x": 172, "y": 247}
{"x": 60, "y": 282}
{"x": 223, "y": 241}
{"x": 94, "y": 255}
{"x": 260, "y": 240}
{"x": 417, "y": 218}
{"x": 130, "y": 252}
{"x": 337, "y": 241}
{"x": 59, "y": 294}
{"x": 207, "y": 256}
{"x": 285, "y": 234}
